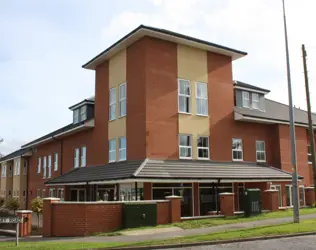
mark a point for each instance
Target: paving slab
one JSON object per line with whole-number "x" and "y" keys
{"x": 152, "y": 231}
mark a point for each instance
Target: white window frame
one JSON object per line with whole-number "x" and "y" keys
{"x": 238, "y": 150}
{"x": 51, "y": 192}
{"x": 44, "y": 167}
{"x": 122, "y": 100}
{"x": 11, "y": 170}
{"x": 186, "y": 147}
{"x": 39, "y": 165}
{"x": 309, "y": 154}
{"x": 259, "y": 151}
{"x": 76, "y": 116}
{"x": 113, "y": 151}
{"x": 299, "y": 193}
{"x": 76, "y": 157}
{"x": 291, "y": 195}
{"x": 184, "y": 95}
{"x": 4, "y": 170}
{"x": 15, "y": 166}
{"x": 55, "y": 161}
{"x": 245, "y": 96}
{"x": 112, "y": 103}
{"x": 201, "y": 98}
{"x": 49, "y": 165}
{"x": 257, "y": 100}
{"x": 61, "y": 193}
{"x": 24, "y": 167}
{"x": 122, "y": 149}
{"x": 18, "y": 167}
{"x": 208, "y": 148}
{"x": 83, "y": 157}
{"x": 83, "y": 113}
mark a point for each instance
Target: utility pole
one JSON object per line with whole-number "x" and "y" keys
{"x": 296, "y": 209}
{"x": 309, "y": 114}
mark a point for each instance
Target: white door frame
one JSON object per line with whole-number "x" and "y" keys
{"x": 273, "y": 186}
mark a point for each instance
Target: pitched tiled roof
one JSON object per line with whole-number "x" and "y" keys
{"x": 14, "y": 154}
{"x": 246, "y": 85}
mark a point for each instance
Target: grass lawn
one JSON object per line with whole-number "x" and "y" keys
{"x": 304, "y": 226}
{"x": 210, "y": 222}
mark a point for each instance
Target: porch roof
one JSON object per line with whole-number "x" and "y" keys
{"x": 197, "y": 170}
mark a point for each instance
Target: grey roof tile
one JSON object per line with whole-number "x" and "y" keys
{"x": 246, "y": 85}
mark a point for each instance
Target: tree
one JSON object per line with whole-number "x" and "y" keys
{"x": 37, "y": 207}
{"x": 13, "y": 204}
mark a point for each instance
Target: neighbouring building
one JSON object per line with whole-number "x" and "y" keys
{"x": 166, "y": 119}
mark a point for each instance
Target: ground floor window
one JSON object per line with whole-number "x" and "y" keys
{"x": 52, "y": 192}
{"x": 279, "y": 189}
{"x": 289, "y": 194}
{"x": 105, "y": 193}
{"x": 161, "y": 190}
{"x": 60, "y": 193}
{"x": 77, "y": 194}
{"x": 302, "y": 195}
{"x": 131, "y": 191}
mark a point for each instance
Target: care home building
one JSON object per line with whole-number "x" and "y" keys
{"x": 167, "y": 118}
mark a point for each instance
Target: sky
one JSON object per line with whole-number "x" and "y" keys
{"x": 43, "y": 45}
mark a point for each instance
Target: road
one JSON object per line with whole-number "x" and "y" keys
{"x": 298, "y": 243}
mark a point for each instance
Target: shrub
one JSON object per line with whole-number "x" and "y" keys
{"x": 37, "y": 207}
{"x": 13, "y": 204}
{"x": 1, "y": 201}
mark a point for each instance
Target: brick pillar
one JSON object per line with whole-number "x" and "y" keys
{"x": 175, "y": 208}
{"x": 148, "y": 191}
{"x": 196, "y": 200}
{"x": 270, "y": 200}
{"x": 309, "y": 196}
{"x": 48, "y": 216}
{"x": 227, "y": 204}
{"x": 25, "y": 228}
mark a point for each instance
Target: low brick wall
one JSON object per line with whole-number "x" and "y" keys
{"x": 163, "y": 214}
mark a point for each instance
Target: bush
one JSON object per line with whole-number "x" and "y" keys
{"x": 13, "y": 204}
{"x": 37, "y": 207}
{"x": 1, "y": 201}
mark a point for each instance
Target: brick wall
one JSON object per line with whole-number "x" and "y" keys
{"x": 163, "y": 214}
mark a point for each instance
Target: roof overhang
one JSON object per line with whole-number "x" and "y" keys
{"x": 252, "y": 90}
{"x": 85, "y": 126}
{"x": 80, "y": 104}
{"x": 166, "y": 35}
{"x": 27, "y": 154}
{"x": 247, "y": 118}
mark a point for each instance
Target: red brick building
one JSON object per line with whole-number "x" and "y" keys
{"x": 168, "y": 119}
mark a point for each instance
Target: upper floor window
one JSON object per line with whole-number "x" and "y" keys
{"x": 112, "y": 150}
{"x": 10, "y": 170}
{"x": 24, "y": 167}
{"x": 201, "y": 99}
{"x": 185, "y": 146}
{"x": 245, "y": 99}
{"x": 260, "y": 151}
{"x": 184, "y": 91}
{"x": 3, "y": 170}
{"x": 237, "y": 150}
{"x": 17, "y": 168}
{"x": 39, "y": 163}
{"x": 255, "y": 100}
{"x": 122, "y": 148}
{"x": 44, "y": 166}
{"x": 122, "y": 99}
{"x": 76, "y": 158}
{"x": 76, "y": 115}
{"x": 83, "y": 156}
{"x": 203, "y": 147}
{"x": 309, "y": 153}
{"x": 49, "y": 166}
{"x": 55, "y": 161}
{"x": 112, "y": 100}
{"x": 83, "y": 113}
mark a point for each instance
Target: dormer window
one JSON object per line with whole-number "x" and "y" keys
{"x": 255, "y": 101}
{"x": 80, "y": 114}
{"x": 76, "y": 115}
{"x": 245, "y": 99}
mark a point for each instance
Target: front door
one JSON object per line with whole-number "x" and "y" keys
{"x": 186, "y": 202}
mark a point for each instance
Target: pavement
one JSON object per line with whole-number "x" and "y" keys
{"x": 302, "y": 243}
{"x": 165, "y": 234}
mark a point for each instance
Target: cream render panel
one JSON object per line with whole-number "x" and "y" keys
{"x": 192, "y": 65}
{"x": 117, "y": 76}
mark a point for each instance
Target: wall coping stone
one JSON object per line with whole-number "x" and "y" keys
{"x": 51, "y": 199}
{"x": 270, "y": 190}
{"x": 109, "y": 202}
{"x": 24, "y": 211}
{"x": 226, "y": 193}
{"x": 173, "y": 197}
{"x": 311, "y": 188}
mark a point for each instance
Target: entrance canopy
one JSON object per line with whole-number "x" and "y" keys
{"x": 150, "y": 170}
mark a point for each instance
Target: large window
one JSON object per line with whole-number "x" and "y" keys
{"x": 44, "y": 166}
{"x": 201, "y": 99}
{"x": 260, "y": 151}
{"x": 3, "y": 170}
{"x": 245, "y": 99}
{"x": 83, "y": 113}
{"x": 309, "y": 153}
{"x": 76, "y": 158}
{"x": 255, "y": 101}
{"x": 10, "y": 170}
{"x": 112, "y": 104}
{"x": 185, "y": 146}
{"x": 184, "y": 96}
{"x": 83, "y": 156}
{"x": 39, "y": 165}
{"x": 76, "y": 115}
{"x": 237, "y": 150}
{"x": 203, "y": 147}
{"x": 112, "y": 150}
{"x": 122, "y": 148}
{"x": 49, "y": 166}
{"x": 122, "y": 99}
{"x": 55, "y": 161}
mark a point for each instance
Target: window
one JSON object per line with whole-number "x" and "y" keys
{"x": 255, "y": 101}
{"x": 184, "y": 96}
{"x": 112, "y": 150}
{"x": 122, "y": 148}
{"x": 24, "y": 167}
{"x": 237, "y": 150}
{"x": 245, "y": 99}
{"x": 122, "y": 99}
{"x": 83, "y": 156}
{"x": 83, "y": 113}
{"x": 302, "y": 195}
{"x": 112, "y": 104}
{"x": 4, "y": 171}
{"x": 201, "y": 99}
{"x": 49, "y": 166}
{"x": 43, "y": 193}
{"x": 51, "y": 192}
{"x": 55, "y": 161}
{"x": 39, "y": 163}
{"x": 15, "y": 168}
{"x": 38, "y": 193}
{"x": 60, "y": 194}
{"x": 44, "y": 167}
{"x": 76, "y": 115}
{"x": 76, "y": 158}
{"x": 260, "y": 151}
{"x": 10, "y": 170}
{"x": 203, "y": 147}
{"x": 24, "y": 196}
{"x": 185, "y": 146}
{"x": 309, "y": 153}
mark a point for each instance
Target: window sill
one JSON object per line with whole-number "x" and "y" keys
{"x": 261, "y": 161}
{"x": 203, "y": 159}
{"x": 122, "y": 160}
{"x": 310, "y": 163}
{"x": 112, "y": 120}
{"x": 185, "y": 158}
{"x": 121, "y": 116}
{"x": 184, "y": 113}
{"x": 112, "y": 161}
{"x": 238, "y": 160}
{"x": 202, "y": 115}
